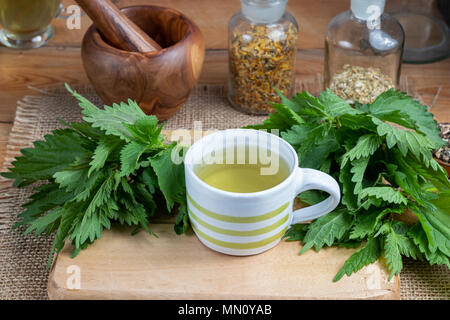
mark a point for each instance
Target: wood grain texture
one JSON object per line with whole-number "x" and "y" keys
{"x": 121, "y": 266}
{"x": 159, "y": 81}
{"x": 60, "y": 60}
{"x": 39, "y": 68}
{"x": 212, "y": 17}
{"x": 5, "y": 128}
{"x": 116, "y": 27}
{"x": 48, "y": 66}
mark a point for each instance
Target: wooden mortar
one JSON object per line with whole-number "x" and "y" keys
{"x": 160, "y": 81}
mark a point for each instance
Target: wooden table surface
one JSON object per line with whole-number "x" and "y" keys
{"x": 59, "y": 61}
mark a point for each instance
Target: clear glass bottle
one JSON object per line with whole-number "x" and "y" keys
{"x": 363, "y": 52}
{"x": 262, "y": 42}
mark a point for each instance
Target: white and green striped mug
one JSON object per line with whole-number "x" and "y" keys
{"x": 250, "y": 223}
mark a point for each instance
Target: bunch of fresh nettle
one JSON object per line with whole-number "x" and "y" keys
{"x": 115, "y": 167}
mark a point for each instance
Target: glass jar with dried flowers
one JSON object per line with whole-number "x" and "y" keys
{"x": 262, "y": 47}
{"x": 363, "y": 52}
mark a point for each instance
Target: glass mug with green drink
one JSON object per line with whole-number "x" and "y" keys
{"x": 241, "y": 185}
{"x": 26, "y": 23}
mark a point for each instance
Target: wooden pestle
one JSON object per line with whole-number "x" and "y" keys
{"x": 118, "y": 29}
{"x": 160, "y": 81}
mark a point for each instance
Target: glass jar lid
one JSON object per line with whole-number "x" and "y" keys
{"x": 367, "y": 9}
{"x": 263, "y": 11}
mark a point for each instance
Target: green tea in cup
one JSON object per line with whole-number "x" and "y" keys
{"x": 255, "y": 215}
{"x": 26, "y": 23}
{"x": 246, "y": 177}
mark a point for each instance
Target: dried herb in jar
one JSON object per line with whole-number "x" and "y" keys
{"x": 261, "y": 59}
{"x": 443, "y": 153}
{"x": 354, "y": 83}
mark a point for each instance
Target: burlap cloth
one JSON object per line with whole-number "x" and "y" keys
{"x": 23, "y": 258}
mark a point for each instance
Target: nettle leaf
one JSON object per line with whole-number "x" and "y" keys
{"x": 110, "y": 119}
{"x": 435, "y": 222}
{"x": 313, "y": 143}
{"x": 357, "y": 122}
{"x": 90, "y": 184}
{"x": 396, "y": 244}
{"x": 82, "y": 166}
{"x": 387, "y": 194}
{"x": 66, "y": 224}
{"x": 296, "y": 232}
{"x": 182, "y": 222}
{"x": 307, "y": 138}
{"x": 364, "y": 256}
{"x": 305, "y": 133}
{"x": 327, "y": 229}
{"x": 419, "y": 146}
{"x": 366, "y": 223}
{"x": 318, "y": 157}
{"x": 335, "y": 105}
{"x": 364, "y": 107}
{"x": 101, "y": 195}
{"x": 170, "y": 175}
{"x": 106, "y": 146}
{"x": 146, "y": 131}
{"x": 145, "y": 197}
{"x": 89, "y": 221}
{"x": 408, "y": 248}
{"x": 392, "y": 254}
{"x": 144, "y": 128}
{"x": 89, "y": 229}
{"x": 85, "y": 185}
{"x": 310, "y": 108}
{"x": 312, "y": 196}
{"x": 366, "y": 153}
{"x": 349, "y": 199}
{"x": 439, "y": 178}
{"x": 365, "y": 147}
{"x": 397, "y": 107}
{"x": 283, "y": 119}
{"x": 136, "y": 212}
{"x": 408, "y": 178}
{"x": 45, "y": 222}
{"x": 149, "y": 179}
{"x": 69, "y": 178}
{"x": 130, "y": 156}
{"x": 86, "y": 130}
{"x": 358, "y": 167}
{"x": 349, "y": 244}
{"x": 419, "y": 237}
{"x": 285, "y": 101}
{"x": 75, "y": 178}
{"x": 46, "y": 197}
{"x": 57, "y": 152}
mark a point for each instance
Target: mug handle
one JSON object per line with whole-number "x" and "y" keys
{"x": 311, "y": 179}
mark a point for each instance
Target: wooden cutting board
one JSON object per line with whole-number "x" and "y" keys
{"x": 121, "y": 266}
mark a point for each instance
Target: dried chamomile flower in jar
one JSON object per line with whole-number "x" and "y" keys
{"x": 262, "y": 48}
{"x": 354, "y": 83}
{"x": 363, "y": 52}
